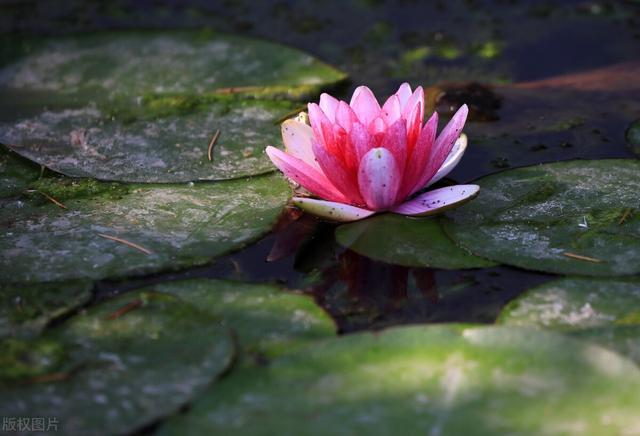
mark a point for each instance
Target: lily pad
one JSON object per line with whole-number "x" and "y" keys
{"x": 406, "y": 241}
{"x": 115, "y": 230}
{"x": 26, "y": 309}
{"x": 87, "y": 142}
{"x": 127, "y": 363}
{"x": 574, "y": 217}
{"x": 103, "y": 67}
{"x": 15, "y": 173}
{"x": 427, "y": 380}
{"x": 265, "y": 318}
{"x": 603, "y": 310}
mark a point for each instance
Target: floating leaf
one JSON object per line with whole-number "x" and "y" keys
{"x": 103, "y": 67}
{"x": 428, "y": 380}
{"x": 265, "y": 318}
{"x": 573, "y": 217}
{"x": 122, "y": 369}
{"x": 26, "y": 309}
{"x": 603, "y": 310}
{"x": 115, "y": 230}
{"x": 406, "y": 241}
{"x": 87, "y": 142}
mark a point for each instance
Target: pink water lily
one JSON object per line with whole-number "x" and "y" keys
{"x": 360, "y": 158}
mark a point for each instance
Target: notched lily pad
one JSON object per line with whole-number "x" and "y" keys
{"x": 405, "y": 241}
{"x": 266, "y": 319}
{"x": 87, "y": 142}
{"x": 426, "y": 380}
{"x": 575, "y": 217}
{"x": 115, "y": 230}
{"x": 602, "y": 310}
{"x": 26, "y": 309}
{"x": 127, "y": 363}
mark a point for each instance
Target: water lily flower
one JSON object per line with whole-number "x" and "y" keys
{"x": 360, "y": 158}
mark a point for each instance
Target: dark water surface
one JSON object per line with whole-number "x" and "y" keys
{"x": 489, "y": 54}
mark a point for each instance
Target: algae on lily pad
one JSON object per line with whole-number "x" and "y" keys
{"x": 602, "y": 310}
{"x": 574, "y": 217}
{"x": 426, "y": 380}
{"x": 145, "y": 106}
{"x": 406, "y": 241}
{"x": 117, "y": 230}
{"x": 127, "y": 363}
{"x": 265, "y": 318}
{"x": 26, "y": 309}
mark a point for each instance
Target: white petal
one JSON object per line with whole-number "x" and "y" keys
{"x": 331, "y": 210}
{"x": 452, "y": 160}
{"x": 297, "y": 138}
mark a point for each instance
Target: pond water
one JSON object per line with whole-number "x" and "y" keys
{"x": 544, "y": 81}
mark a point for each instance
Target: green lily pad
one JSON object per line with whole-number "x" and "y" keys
{"x": 574, "y": 217}
{"x": 633, "y": 136}
{"x": 87, "y": 142}
{"x": 127, "y": 363}
{"x": 144, "y": 106}
{"x": 15, "y": 173}
{"x": 265, "y": 318}
{"x": 173, "y": 226}
{"x": 26, "y": 309}
{"x": 427, "y": 380}
{"x": 406, "y": 241}
{"x": 605, "y": 311}
{"x": 103, "y": 67}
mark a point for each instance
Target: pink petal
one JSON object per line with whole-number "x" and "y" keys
{"x": 307, "y": 176}
{"x": 377, "y": 130}
{"x": 414, "y": 122}
{"x": 391, "y": 110}
{"x": 443, "y": 145}
{"x": 331, "y": 210}
{"x": 335, "y": 169}
{"x": 345, "y": 116}
{"x": 350, "y": 154}
{"x": 360, "y": 140}
{"x": 395, "y": 140}
{"x": 403, "y": 93}
{"x": 318, "y": 121}
{"x": 328, "y": 104}
{"x": 297, "y": 141}
{"x": 416, "y": 98}
{"x": 452, "y": 160}
{"x": 379, "y": 178}
{"x": 438, "y": 200}
{"x": 322, "y": 128}
{"x": 365, "y": 105}
{"x": 417, "y": 161}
